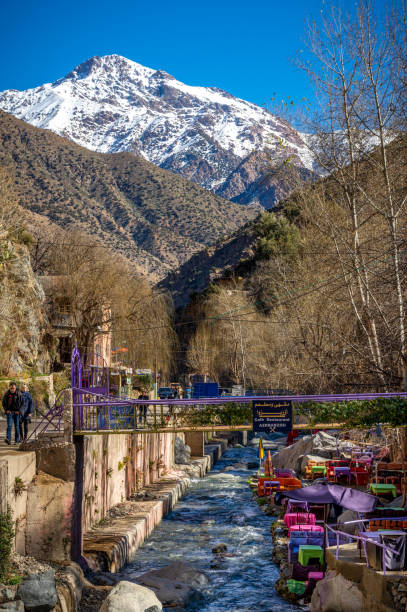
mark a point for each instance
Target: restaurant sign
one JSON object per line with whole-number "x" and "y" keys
{"x": 272, "y": 416}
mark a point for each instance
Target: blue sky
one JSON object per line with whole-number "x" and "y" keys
{"x": 242, "y": 47}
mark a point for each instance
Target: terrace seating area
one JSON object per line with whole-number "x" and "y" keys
{"x": 379, "y": 536}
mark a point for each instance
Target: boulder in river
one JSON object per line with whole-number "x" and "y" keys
{"x": 182, "y": 452}
{"x": 235, "y": 466}
{"x": 176, "y": 584}
{"x": 219, "y": 548}
{"x": 130, "y": 597}
{"x": 253, "y": 465}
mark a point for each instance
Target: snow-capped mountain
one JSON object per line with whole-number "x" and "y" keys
{"x": 111, "y": 104}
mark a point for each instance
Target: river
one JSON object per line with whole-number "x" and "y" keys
{"x": 219, "y": 509}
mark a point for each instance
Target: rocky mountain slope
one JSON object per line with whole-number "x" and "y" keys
{"x": 155, "y": 218}
{"x": 24, "y": 342}
{"x": 209, "y": 265}
{"x": 225, "y": 144}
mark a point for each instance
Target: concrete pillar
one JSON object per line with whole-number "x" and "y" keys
{"x": 77, "y": 514}
{"x": 196, "y": 440}
{"x": 244, "y": 438}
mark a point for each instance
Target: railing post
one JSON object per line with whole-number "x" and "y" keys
{"x": 67, "y": 400}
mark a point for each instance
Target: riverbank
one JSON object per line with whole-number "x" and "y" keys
{"x": 218, "y": 531}
{"x": 112, "y": 543}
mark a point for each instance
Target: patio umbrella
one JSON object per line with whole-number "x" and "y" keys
{"x": 326, "y": 493}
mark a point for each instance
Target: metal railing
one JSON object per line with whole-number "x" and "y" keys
{"x": 51, "y": 421}
{"x": 362, "y": 540}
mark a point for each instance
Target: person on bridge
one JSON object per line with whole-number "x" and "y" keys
{"x": 12, "y": 403}
{"x": 26, "y": 411}
{"x": 142, "y": 409}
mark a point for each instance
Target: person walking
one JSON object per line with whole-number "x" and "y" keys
{"x": 26, "y": 411}
{"x": 12, "y": 403}
{"x": 143, "y": 408}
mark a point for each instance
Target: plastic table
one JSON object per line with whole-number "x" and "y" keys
{"x": 343, "y": 471}
{"x": 270, "y": 485}
{"x": 299, "y": 518}
{"x": 314, "y": 528}
{"x": 318, "y": 468}
{"x": 380, "y": 488}
{"x": 309, "y": 551}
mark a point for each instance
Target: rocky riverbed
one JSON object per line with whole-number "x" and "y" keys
{"x": 214, "y": 551}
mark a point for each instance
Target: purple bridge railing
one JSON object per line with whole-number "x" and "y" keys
{"x": 96, "y": 410}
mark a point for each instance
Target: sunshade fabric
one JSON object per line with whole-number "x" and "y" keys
{"x": 322, "y": 493}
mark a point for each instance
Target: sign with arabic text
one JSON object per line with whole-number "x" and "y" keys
{"x": 272, "y": 416}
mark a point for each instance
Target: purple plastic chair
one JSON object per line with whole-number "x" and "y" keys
{"x": 294, "y": 506}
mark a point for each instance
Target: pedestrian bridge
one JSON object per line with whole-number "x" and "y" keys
{"x": 93, "y": 410}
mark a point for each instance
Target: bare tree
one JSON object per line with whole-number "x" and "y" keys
{"x": 357, "y": 137}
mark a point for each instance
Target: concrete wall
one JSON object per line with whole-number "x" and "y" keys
{"x": 115, "y": 466}
{"x": 49, "y": 518}
{"x": 374, "y": 590}
{"x": 20, "y": 466}
{"x": 196, "y": 441}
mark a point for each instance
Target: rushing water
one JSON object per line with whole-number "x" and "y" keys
{"x": 219, "y": 509}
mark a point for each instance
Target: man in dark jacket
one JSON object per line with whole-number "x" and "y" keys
{"x": 12, "y": 404}
{"x": 26, "y": 411}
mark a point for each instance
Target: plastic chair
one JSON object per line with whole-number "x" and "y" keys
{"x": 315, "y": 575}
{"x": 308, "y": 551}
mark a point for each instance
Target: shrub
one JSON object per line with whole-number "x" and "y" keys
{"x": 62, "y": 380}
{"x": 6, "y": 543}
{"x": 19, "y": 487}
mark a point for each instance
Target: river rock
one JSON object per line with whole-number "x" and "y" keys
{"x": 130, "y": 597}
{"x": 219, "y": 548}
{"x": 321, "y": 445}
{"x": 7, "y": 594}
{"x": 253, "y": 465}
{"x": 336, "y": 594}
{"x": 38, "y": 591}
{"x": 176, "y": 584}
{"x": 235, "y": 466}
{"x": 182, "y": 452}
{"x": 192, "y": 469}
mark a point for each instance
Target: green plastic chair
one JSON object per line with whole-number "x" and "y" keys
{"x": 310, "y": 551}
{"x": 296, "y": 586}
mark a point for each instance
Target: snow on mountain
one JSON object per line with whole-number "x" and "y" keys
{"x": 111, "y": 104}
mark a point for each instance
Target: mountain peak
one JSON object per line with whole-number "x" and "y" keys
{"x": 106, "y": 64}
{"x": 110, "y": 103}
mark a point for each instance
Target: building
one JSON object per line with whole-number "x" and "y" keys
{"x": 64, "y": 321}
